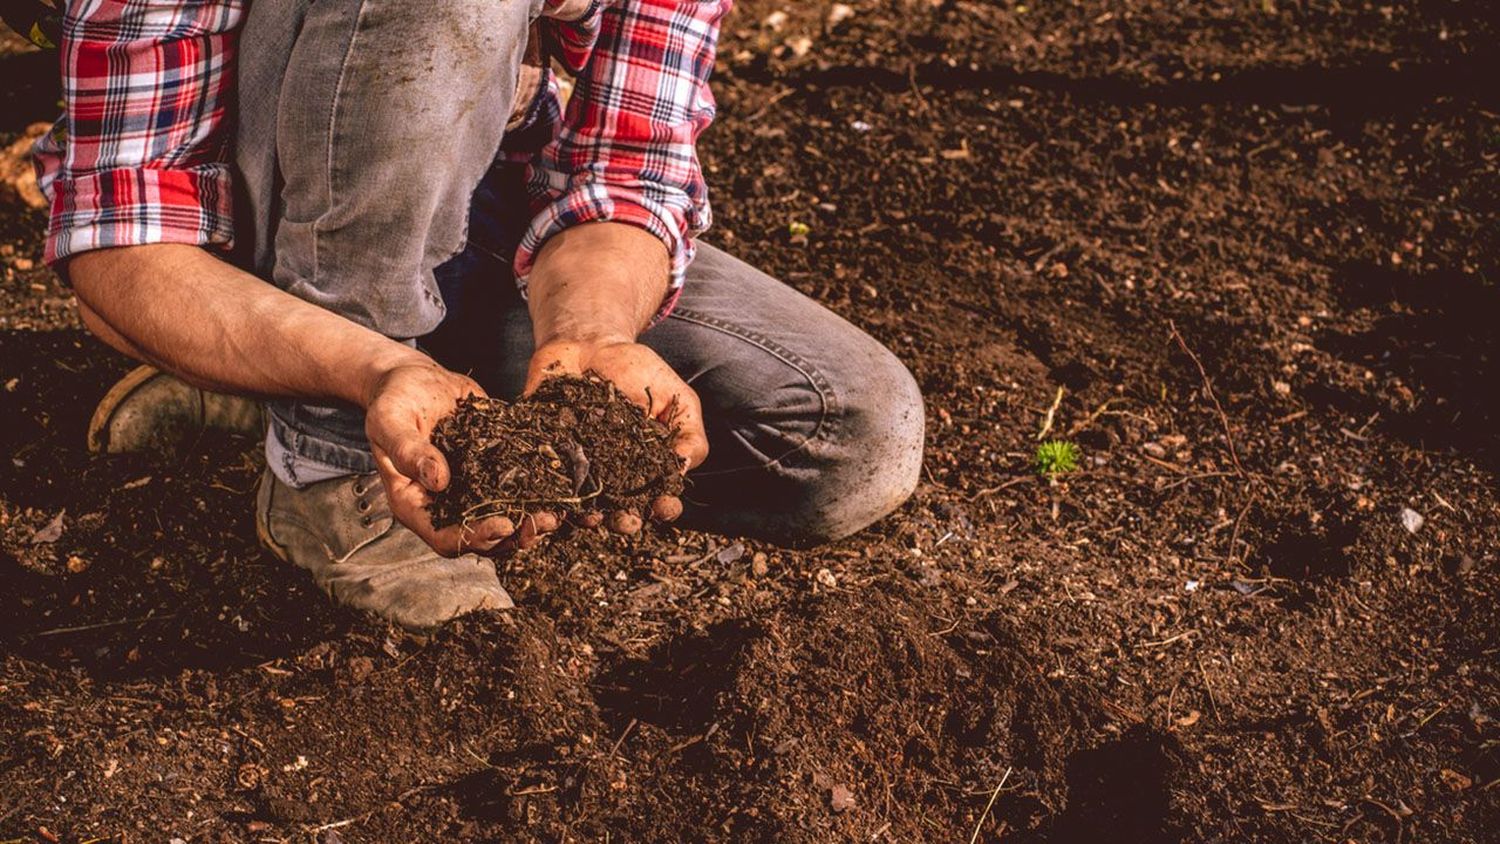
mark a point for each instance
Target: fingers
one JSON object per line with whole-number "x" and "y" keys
{"x": 642, "y": 376}
{"x": 667, "y": 397}
{"x": 408, "y": 452}
{"x": 399, "y": 419}
{"x": 485, "y": 535}
{"x": 534, "y": 528}
{"x": 408, "y": 501}
{"x": 686, "y": 413}
{"x": 417, "y": 458}
{"x": 666, "y": 508}
{"x": 624, "y": 522}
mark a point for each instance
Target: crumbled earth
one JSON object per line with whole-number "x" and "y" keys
{"x": 574, "y": 446}
{"x": 1254, "y": 244}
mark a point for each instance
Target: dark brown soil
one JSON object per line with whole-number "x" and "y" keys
{"x": 1217, "y": 630}
{"x": 573, "y": 446}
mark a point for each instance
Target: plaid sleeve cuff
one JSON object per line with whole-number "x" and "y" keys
{"x": 138, "y": 206}
{"x": 592, "y": 203}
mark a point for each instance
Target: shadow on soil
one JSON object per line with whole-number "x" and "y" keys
{"x": 156, "y": 567}
{"x": 1374, "y": 85}
{"x": 31, "y": 87}
{"x": 1435, "y": 335}
{"x": 677, "y": 686}
{"x": 1120, "y": 791}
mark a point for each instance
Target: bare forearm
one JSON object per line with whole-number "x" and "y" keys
{"x": 599, "y": 282}
{"x": 182, "y": 309}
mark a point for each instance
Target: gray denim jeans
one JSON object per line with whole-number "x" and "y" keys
{"x": 367, "y": 150}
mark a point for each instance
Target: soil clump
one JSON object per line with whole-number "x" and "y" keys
{"x": 574, "y": 446}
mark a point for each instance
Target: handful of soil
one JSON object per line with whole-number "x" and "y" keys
{"x": 574, "y": 446}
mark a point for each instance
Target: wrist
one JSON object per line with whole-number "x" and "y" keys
{"x": 585, "y": 341}
{"x": 379, "y": 367}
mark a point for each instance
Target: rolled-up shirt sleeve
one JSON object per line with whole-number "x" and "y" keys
{"x": 626, "y": 151}
{"x": 141, "y": 153}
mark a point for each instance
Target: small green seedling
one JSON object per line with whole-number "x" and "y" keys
{"x": 1056, "y": 457}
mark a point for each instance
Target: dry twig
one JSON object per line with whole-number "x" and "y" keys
{"x": 988, "y": 806}
{"x": 1051, "y": 414}
{"x": 1208, "y": 388}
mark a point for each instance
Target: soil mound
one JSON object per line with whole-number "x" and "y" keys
{"x": 895, "y": 729}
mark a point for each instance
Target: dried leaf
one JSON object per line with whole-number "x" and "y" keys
{"x": 52, "y": 532}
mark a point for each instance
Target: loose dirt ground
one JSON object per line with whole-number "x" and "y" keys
{"x": 1218, "y": 630}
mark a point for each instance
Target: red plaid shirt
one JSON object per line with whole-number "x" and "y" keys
{"x": 142, "y": 154}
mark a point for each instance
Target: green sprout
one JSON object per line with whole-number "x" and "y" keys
{"x": 797, "y": 228}
{"x": 1056, "y": 457}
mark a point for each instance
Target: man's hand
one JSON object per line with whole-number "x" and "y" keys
{"x": 644, "y": 378}
{"x": 402, "y": 406}
{"x": 641, "y": 376}
{"x": 593, "y": 291}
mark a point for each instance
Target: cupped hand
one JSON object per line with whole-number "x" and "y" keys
{"x": 401, "y": 409}
{"x": 644, "y": 378}
{"x": 641, "y": 376}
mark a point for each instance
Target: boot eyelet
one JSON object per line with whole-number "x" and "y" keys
{"x": 367, "y": 521}
{"x": 359, "y": 489}
{"x": 364, "y": 506}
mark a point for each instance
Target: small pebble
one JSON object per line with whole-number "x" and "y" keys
{"x": 759, "y": 564}
{"x": 1412, "y": 520}
{"x": 825, "y": 577}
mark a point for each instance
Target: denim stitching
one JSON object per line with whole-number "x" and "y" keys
{"x": 828, "y": 420}
{"x": 333, "y": 124}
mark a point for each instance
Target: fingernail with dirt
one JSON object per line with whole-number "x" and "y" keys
{"x": 428, "y": 472}
{"x": 625, "y": 522}
{"x": 666, "y": 508}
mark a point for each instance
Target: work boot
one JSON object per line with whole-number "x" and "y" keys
{"x": 343, "y": 533}
{"x": 149, "y": 410}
